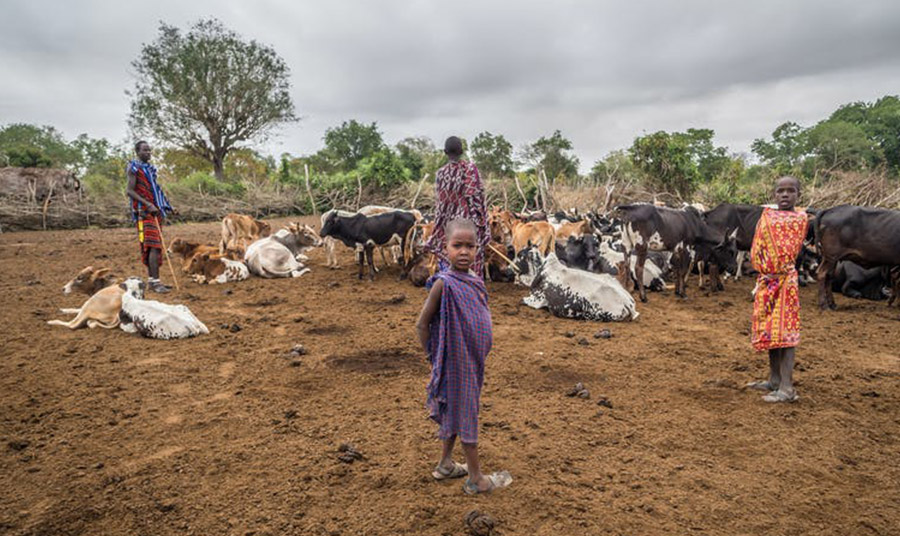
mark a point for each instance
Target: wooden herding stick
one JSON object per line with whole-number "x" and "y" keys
{"x": 166, "y": 252}
{"x": 502, "y": 256}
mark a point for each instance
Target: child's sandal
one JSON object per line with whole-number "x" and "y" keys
{"x": 458, "y": 470}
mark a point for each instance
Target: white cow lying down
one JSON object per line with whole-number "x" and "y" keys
{"x": 279, "y": 255}
{"x": 572, "y": 293}
{"x": 153, "y": 319}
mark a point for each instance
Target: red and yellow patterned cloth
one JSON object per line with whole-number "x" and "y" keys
{"x": 776, "y": 303}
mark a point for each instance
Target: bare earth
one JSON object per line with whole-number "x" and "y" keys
{"x": 105, "y": 433}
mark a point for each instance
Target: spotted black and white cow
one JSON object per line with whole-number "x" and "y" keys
{"x": 153, "y": 319}
{"x": 648, "y": 227}
{"x": 572, "y": 293}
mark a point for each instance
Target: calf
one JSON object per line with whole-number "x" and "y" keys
{"x": 211, "y": 268}
{"x": 280, "y": 255}
{"x": 369, "y": 231}
{"x": 239, "y": 231}
{"x": 421, "y": 267}
{"x": 571, "y": 293}
{"x": 100, "y": 310}
{"x": 537, "y": 233}
{"x": 869, "y": 237}
{"x": 153, "y": 319}
{"x": 90, "y": 280}
{"x": 648, "y": 227}
{"x": 188, "y": 250}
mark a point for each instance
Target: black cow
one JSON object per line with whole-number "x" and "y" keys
{"x": 368, "y": 232}
{"x": 579, "y": 252}
{"x": 869, "y": 237}
{"x": 737, "y": 221}
{"x": 854, "y": 281}
{"x": 664, "y": 229}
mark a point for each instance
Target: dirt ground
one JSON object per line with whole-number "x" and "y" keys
{"x": 102, "y": 432}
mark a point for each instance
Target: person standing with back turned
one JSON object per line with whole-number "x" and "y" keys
{"x": 148, "y": 208}
{"x": 459, "y": 194}
{"x": 776, "y": 300}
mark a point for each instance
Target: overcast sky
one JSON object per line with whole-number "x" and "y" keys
{"x": 602, "y": 72}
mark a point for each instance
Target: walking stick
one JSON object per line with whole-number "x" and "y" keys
{"x": 502, "y": 256}
{"x": 166, "y": 252}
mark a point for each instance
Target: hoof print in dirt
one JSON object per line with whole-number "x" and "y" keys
{"x": 397, "y": 298}
{"x": 349, "y": 454}
{"x": 603, "y": 334}
{"x": 578, "y": 391}
{"x": 480, "y": 523}
{"x": 604, "y": 402}
{"x": 290, "y": 414}
{"x": 235, "y": 328}
{"x": 295, "y": 363}
{"x": 333, "y": 284}
{"x": 298, "y": 350}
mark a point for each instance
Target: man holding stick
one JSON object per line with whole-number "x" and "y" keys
{"x": 148, "y": 207}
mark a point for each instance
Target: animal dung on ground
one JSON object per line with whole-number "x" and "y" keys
{"x": 349, "y": 454}
{"x": 397, "y": 298}
{"x": 603, "y": 334}
{"x": 578, "y": 391}
{"x": 298, "y": 350}
{"x": 569, "y": 334}
{"x": 604, "y": 402}
{"x": 583, "y": 341}
{"x": 235, "y": 328}
{"x": 480, "y": 523}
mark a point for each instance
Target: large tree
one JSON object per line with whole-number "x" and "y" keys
{"x": 209, "y": 91}
{"x": 492, "y": 154}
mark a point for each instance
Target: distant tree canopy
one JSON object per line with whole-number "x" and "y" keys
{"x": 492, "y": 154}
{"x": 678, "y": 162}
{"x": 24, "y": 145}
{"x": 208, "y": 91}
{"x": 554, "y": 155}
{"x": 348, "y": 144}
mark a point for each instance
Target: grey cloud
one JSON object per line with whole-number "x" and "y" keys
{"x": 602, "y": 72}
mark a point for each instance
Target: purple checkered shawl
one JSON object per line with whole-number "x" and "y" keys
{"x": 459, "y": 342}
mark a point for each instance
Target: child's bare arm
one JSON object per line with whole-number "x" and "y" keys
{"x": 428, "y": 310}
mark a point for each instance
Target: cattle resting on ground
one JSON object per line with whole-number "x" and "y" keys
{"x": 279, "y": 255}
{"x": 188, "y": 250}
{"x": 239, "y": 231}
{"x": 647, "y": 227}
{"x": 153, "y": 319}
{"x": 854, "y": 281}
{"x": 100, "y": 310}
{"x": 211, "y": 268}
{"x": 870, "y": 237}
{"x": 90, "y": 280}
{"x": 572, "y": 293}
{"x": 369, "y": 231}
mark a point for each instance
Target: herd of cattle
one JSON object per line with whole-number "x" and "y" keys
{"x": 576, "y": 265}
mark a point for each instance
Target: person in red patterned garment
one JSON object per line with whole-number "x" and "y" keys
{"x": 459, "y": 194}
{"x": 776, "y": 298}
{"x": 148, "y": 209}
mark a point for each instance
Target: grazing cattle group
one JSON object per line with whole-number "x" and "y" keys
{"x": 576, "y": 266}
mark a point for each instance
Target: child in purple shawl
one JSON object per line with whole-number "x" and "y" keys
{"x": 455, "y": 329}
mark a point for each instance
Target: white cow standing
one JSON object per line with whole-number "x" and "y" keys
{"x": 153, "y": 319}
{"x": 281, "y": 254}
{"x": 573, "y": 293}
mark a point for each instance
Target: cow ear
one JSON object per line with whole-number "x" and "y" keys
{"x": 122, "y": 286}
{"x": 102, "y": 272}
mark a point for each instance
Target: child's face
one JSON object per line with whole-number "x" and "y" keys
{"x": 787, "y": 191}
{"x": 461, "y": 248}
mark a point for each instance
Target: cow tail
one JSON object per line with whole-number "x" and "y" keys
{"x": 817, "y": 229}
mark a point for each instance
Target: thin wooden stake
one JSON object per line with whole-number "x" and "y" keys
{"x": 166, "y": 251}
{"x": 312, "y": 200}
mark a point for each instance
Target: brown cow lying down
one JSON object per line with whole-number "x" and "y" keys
{"x": 90, "y": 280}
{"x": 188, "y": 250}
{"x": 213, "y": 268}
{"x": 100, "y": 310}
{"x": 239, "y": 231}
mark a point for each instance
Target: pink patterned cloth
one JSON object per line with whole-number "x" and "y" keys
{"x": 459, "y": 193}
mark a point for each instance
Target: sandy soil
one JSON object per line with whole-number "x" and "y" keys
{"x": 105, "y": 433}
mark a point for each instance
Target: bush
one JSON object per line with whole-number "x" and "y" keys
{"x": 203, "y": 182}
{"x": 100, "y": 185}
